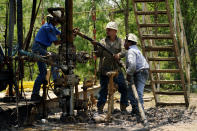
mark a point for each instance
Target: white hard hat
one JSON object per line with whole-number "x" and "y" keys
{"x": 57, "y": 13}
{"x": 112, "y": 25}
{"x": 132, "y": 37}
{"x": 49, "y": 15}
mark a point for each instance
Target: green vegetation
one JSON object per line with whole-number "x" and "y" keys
{"x": 83, "y": 20}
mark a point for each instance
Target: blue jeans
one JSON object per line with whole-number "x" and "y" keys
{"x": 139, "y": 81}
{"x": 104, "y": 80}
{"x": 41, "y": 78}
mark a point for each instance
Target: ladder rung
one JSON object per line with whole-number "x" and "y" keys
{"x": 151, "y": 12}
{"x": 149, "y": 0}
{"x": 165, "y": 71}
{"x": 167, "y": 81}
{"x": 155, "y": 25}
{"x": 162, "y": 59}
{"x": 169, "y": 93}
{"x": 169, "y": 104}
{"x": 159, "y": 36}
{"x": 159, "y": 48}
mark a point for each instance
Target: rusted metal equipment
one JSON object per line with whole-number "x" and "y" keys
{"x": 93, "y": 12}
{"x": 77, "y": 32}
{"x": 111, "y": 91}
{"x": 86, "y": 84}
{"x": 65, "y": 60}
{"x": 44, "y": 97}
{"x": 68, "y": 58}
{"x": 6, "y": 65}
{"x": 173, "y": 51}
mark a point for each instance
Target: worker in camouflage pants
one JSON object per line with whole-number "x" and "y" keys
{"x": 107, "y": 64}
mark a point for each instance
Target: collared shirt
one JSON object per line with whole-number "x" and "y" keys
{"x": 47, "y": 34}
{"x": 107, "y": 63}
{"x": 135, "y": 60}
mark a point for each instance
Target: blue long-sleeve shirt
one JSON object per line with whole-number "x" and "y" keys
{"x": 47, "y": 34}
{"x": 135, "y": 60}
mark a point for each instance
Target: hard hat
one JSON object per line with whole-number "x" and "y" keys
{"x": 132, "y": 37}
{"x": 57, "y": 13}
{"x": 112, "y": 25}
{"x": 49, "y": 15}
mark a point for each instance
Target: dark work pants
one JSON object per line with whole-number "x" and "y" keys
{"x": 104, "y": 80}
{"x": 41, "y": 50}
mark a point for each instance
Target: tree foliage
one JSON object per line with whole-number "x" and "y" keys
{"x": 107, "y": 10}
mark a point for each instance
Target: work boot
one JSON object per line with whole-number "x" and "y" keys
{"x": 135, "y": 112}
{"x": 123, "y": 108}
{"x": 35, "y": 97}
{"x": 100, "y": 109}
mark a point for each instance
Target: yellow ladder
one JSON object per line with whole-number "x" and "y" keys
{"x": 165, "y": 47}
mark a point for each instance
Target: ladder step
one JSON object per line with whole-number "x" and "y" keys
{"x": 165, "y": 71}
{"x": 167, "y": 81}
{"x": 162, "y": 59}
{"x": 169, "y": 104}
{"x": 149, "y": 0}
{"x": 159, "y": 36}
{"x": 154, "y": 25}
{"x": 151, "y": 12}
{"x": 159, "y": 48}
{"x": 169, "y": 93}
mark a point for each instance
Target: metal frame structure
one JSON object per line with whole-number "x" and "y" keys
{"x": 65, "y": 60}
{"x": 177, "y": 49}
{"x": 12, "y": 75}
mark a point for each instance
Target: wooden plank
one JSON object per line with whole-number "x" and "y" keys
{"x": 160, "y": 12}
{"x": 170, "y": 104}
{"x": 141, "y": 110}
{"x": 162, "y": 59}
{"x": 159, "y": 48}
{"x": 167, "y": 81}
{"x": 147, "y": 19}
{"x": 154, "y": 25}
{"x": 183, "y": 41}
{"x": 159, "y": 36}
{"x": 165, "y": 71}
{"x": 143, "y": 47}
{"x": 169, "y": 93}
{"x": 183, "y": 29}
{"x": 175, "y": 49}
{"x": 177, "y": 52}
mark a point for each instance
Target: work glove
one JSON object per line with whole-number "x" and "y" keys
{"x": 94, "y": 43}
{"x": 49, "y": 53}
{"x": 117, "y": 56}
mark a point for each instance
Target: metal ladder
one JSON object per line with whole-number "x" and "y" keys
{"x": 165, "y": 47}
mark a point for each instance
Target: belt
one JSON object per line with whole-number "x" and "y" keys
{"x": 141, "y": 70}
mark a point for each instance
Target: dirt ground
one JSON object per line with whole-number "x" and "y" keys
{"x": 187, "y": 121}
{"x": 160, "y": 119}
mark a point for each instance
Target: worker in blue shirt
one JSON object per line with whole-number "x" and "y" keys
{"x": 137, "y": 71}
{"x": 46, "y": 35}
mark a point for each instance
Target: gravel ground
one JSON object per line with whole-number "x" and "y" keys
{"x": 160, "y": 119}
